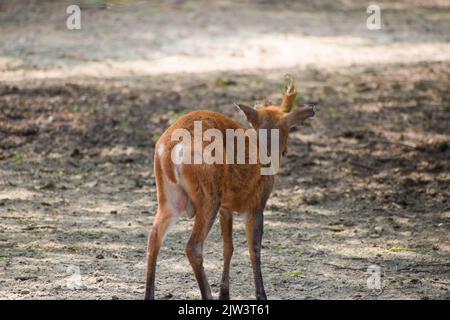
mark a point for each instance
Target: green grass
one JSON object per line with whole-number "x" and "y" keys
{"x": 225, "y": 82}
{"x": 156, "y": 136}
{"x": 17, "y": 158}
{"x": 403, "y": 250}
{"x": 174, "y": 115}
{"x": 277, "y": 248}
{"x": 76, "y": 108}
{"x": 333, "y": 113}
{"x": 293, "y": 273}
{"x": 93, "y": 234}
{"x": 137, "y": 130}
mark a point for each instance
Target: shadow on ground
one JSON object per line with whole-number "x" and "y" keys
{"x": 366, "y": 182}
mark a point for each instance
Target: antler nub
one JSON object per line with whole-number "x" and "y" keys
{"x": 289, "y": 94}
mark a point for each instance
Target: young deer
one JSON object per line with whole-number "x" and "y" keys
{"x": 204, "y": 190}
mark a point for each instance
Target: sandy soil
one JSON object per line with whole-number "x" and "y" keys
{"x": 365, "y": 183}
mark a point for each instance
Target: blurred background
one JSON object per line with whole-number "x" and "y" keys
{"x": 365, "y": 183}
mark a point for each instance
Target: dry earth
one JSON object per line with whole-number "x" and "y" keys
{"x": 365, "y": 183}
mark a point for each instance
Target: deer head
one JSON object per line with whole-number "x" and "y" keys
{"x": 270, "y": 116}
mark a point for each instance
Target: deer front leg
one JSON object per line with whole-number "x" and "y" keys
{"x": 254, "y": 231}
{"x": 226, "y": 224}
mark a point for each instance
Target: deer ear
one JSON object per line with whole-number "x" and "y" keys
{"x": 298, "y": 117}
{"x": 250, "y": 113}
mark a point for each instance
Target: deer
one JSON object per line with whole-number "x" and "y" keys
{"x": 205, "y": 191}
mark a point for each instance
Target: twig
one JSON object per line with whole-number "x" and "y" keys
{"x": 394, "y": 142}
{"x": 343, "y": 267}
{"x": 277, "y": 268}
{"x": 360, "y": 165}
{"x": 440, "y": 282}
{"x": 24, "y": 278}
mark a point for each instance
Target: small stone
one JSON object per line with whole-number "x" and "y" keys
{"x": 100, "y": 256}
{"x": 25, "y": 291}
{"x": 379, "y": 229}
{"x": 75, "y": 153}
{"x": 49, "y": 186}
{"x": 114, "y": 298}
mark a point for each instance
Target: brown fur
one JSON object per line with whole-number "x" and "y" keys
{"x": 203, "y": 190}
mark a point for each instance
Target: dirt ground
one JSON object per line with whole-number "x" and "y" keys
{"x": 367, "y": 182}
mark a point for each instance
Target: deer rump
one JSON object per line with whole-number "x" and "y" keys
{"x": 179, "y": 180}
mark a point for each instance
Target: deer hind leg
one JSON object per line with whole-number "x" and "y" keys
{"x": 226, "y": 225}
{"x": 172, "y": 203}
{"x": 204, "y": 219}
{"x": 163, "y": 219}
{"x": 254, "y": 231}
